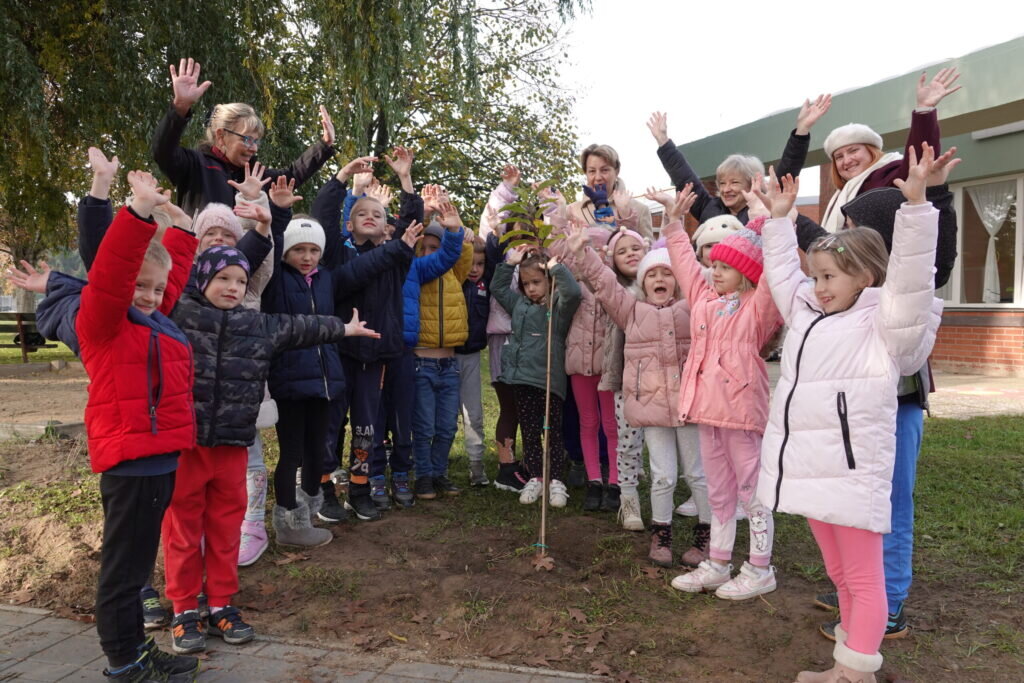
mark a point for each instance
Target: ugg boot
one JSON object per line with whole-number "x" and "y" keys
{"x": 253, "y": 542}
{"x": 314, "y": 503}
{"x": 661, "y": 545}
{"x": 629, "y": 510}
{"x": 851, "y": 667}
{"x": 294, "y": 528}
{"x": 699, "y": 551}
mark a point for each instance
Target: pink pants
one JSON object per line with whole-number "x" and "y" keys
{"x": 596, "y": 408}
{"x": 732, "y": 460}
{"x": 853, "y": 560}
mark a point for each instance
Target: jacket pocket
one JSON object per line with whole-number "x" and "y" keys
{"x": 844, "y": 424}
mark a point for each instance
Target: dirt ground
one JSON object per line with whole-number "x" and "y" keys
{"x": 42, "y": 396}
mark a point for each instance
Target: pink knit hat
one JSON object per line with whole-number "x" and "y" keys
{"x": 217, "y": 216}
{"x": 742, "y": 250}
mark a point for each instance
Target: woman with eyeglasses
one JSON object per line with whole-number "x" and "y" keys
{"x": 233, "y": 136}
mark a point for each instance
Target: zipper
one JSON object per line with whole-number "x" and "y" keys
{"x": 154, "y": 393}
{"x": 440, "y": 312}
{"x": 845, "y": 425}
{"x": 639, "y": 369}
{"x": 216, "y": 384}
{"x": 319, "y": 351}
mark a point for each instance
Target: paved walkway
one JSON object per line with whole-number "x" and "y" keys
{"x": 36, "y": 646}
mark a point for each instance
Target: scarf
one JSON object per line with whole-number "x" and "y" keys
{"x": 834, "y": 219}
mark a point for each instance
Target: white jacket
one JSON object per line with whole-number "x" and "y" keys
{"x": 830, "y": 444}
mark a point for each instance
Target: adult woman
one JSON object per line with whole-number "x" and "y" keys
{"x": 605, "y": 194}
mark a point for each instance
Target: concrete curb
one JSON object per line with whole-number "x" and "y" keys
{"x": 36, "y": 430}
{"x": 23, "y": 369}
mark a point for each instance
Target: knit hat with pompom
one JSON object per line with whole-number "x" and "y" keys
{"x": 742, "y": 250}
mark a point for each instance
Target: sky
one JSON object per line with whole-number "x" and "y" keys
{"x": 713, "y": 66}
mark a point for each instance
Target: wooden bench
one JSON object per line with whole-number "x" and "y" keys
{"x": 24, "y": 326}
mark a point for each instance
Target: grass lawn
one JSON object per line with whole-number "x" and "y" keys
{"x": 62, "y": 352}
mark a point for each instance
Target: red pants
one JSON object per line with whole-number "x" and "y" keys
{"x": 209, "y": 500}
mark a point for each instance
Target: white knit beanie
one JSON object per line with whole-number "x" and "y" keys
{"x": 851, "y": 134}
{"x": 303, "y": 231}
{"x": 716, "y": 229}
{"x": 217, "y": 216}
{"x": 655, "y": 257}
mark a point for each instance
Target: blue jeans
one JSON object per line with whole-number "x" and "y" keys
{"x": 898, "y": 546}
{"x": 436, "y": 414}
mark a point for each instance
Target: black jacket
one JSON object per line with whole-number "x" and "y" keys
{"x": 478, "y": 299}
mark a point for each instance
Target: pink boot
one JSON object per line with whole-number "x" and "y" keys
{"x": 253, "y": 543}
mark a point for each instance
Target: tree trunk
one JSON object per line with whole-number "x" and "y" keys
{"x": 24, "y": 302}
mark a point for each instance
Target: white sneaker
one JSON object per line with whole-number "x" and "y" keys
{"x": 629, "y": 512}
{"x": 705, "y": 577}
{"x": 531, "y": 492}
{"x": 687, "y": 509}
{"x": 557, "y": 495}
{"x": 750, "y": 582}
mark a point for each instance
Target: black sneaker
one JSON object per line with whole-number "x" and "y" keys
{"x": 577, "y": 478}
{"x": 331, "y": 511}
{"x": 360, "y": 503}
{"x": 379, "y": 493}
{"x": 896, "y": 626}
{"x": 154, "y": 614}
{"x": 144, "y": 670}
{"x": 445, "y": 486}
{"x": 401, "y": 491}
{"x": 424, "y": 488}
{"x": 510, "y": 477}
{"x": 610, "y": 498}
{"x": 187, "y": 633}
{"x": 827, "y": 600}
{"x": 227, "y": 623}
{"x": 166, "y": 662}
{"x": 592, "y": 501}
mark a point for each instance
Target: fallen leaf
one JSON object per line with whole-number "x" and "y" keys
{"x": 545, "y": 562}
{"x": 267, "y": 588}
{"x": 501, "y": 650}
{"x": 291, "y": 557}
{"x": 652, "y": 572}
{"x": 444, "y": 635}
{"x": 419, "y": 618}
{"x": 395, "y": 636}
{"x": 370, "y": 641}
{"x": 21, "y": 597}
{"x": 600, "y": 669}
{"x": 577, "y": 615}
{"x": 538, "y": 661}
{"x": 593, "y": 640}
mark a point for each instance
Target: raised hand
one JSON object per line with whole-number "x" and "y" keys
{"x": 412, "y": 234}
{"x": 382, "y": 193}
{"x": 931, "y": 93}
{"x": 942, "y": 167}
{"x": 576, "y": 240}
{"x": 146, "y": 193}
{"x": 282, "y": 192}
{"x": 401, "y": 162}
{"x": 755, "y": 207}
{"x": 684, "y": 200}
{"x": 449, "y": 215}
{"x": 31, "y": 280}
{"x": 517, "y": 254}
{"x": 327, "y": 125}
{"x": 810, "y": 112}
{"x": 173, "y": 214}
{"x": 357, "y": 328}
{"x": 357, "y": 165}
{"x": 253, "y": 182}
{"x": 917, "y": 177}
{"x": 361, "y": 181}
{"x": 778, "y": 200}
{"x": 621, "y": 199}
{"x": 103, "y": 172}
{"x": 663, "y": 198}
{"x": 431, "y": 201}
{"x": 511, "y": 175}
{"x": 254, "y": 212}
{"x": 493, "y": 222}
{"x": 186, "y": 85}
{"x": 658, "y": 125}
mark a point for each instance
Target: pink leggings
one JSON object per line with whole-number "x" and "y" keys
{"x": 588, "y": 398}
{"x": 853, "y": 560}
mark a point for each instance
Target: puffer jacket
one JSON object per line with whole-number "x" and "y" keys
{"x": 444, "y": 320}
{"x": 524, "y": 357}
{"x": 725, "y": 382}
{"x": 139, "y": 366}
{"x": 657, "y": 343}
{"x": 829, "y": 449}
{"x": 233, "y": 350}
{"x": 427, "y": 269}
{"x": 498, "y": 319}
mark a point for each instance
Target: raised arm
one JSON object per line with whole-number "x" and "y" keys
{"x": 181, "y": 244}
{"x": 795, "y": 153}
{"x": 501, "y": 283}
{"x": 175, "y": 161}
{"x": 685, "y": 268}
{"x": 568, "y": 296}
{"x": 94, "y": 210}
{"x": 782, "y": 276}
{"x": 357, "y": 273}
{"x": 500, "y": 197}
{"x": 675, "y": 164}
{"x": 315, "y": 156}
{"x": 617, "y": 301}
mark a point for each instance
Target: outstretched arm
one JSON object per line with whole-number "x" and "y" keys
{"x": 683, "y": 259}
{"x": 675, "y": 164}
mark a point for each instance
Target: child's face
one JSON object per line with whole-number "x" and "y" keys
{"x": 368, "y": 221}
{"x": 303, "y": 257}
{"x": 730, "y": 189}
{"x": 216, "y": 236}
{"x": 659, "y": 285}
{"x": 149, "y": 287}
{"x": 705, "y": 255}
{"x": 226, "y": 289}
{"x": 534, "y": 283}
{"x": 429, "y": 244}
{"x": 725, "y": 278}
{"x": 477, "y": 271}
{"x": 836, "y": 290}
{"x": 627, "y": 256}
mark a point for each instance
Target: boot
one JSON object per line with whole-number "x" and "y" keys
{"x": 629, "y": 511}
{"x": 592, "y": 501}
{"x": 294, "y": 528}
{"x": 253, "y": 543}
{"x": 314, "y": 503}
{"x": 661, "y": 545}
{"x": 577, "y": 475}
{"x": 851, "y": 667}
{"x": 699, "y": 551}
{"x": 610, "y": 498}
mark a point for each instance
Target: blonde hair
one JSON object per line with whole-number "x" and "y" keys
{"x": 837, "y": 179}
{"x": 606, "y": 152}
{"x": 236, "y": 116}
{"x": 856, "y": 251}
{"x": 747, "y": 166}
{"x": 157, "y": 254}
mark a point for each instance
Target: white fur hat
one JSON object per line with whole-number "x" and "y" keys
{"x": 303, "y": 231}
{"x": 851, "y": 134}
{"x": 655, "y": 257}
{"x": 714, "y": 230}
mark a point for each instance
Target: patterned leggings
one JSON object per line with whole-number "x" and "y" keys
{"x": 630, "y": 448}
{"x": 530, "y": 406}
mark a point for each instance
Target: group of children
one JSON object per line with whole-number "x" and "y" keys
{"x": 233, "y": 321}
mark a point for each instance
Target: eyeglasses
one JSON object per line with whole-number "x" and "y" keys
{"x": 247, "y": 140}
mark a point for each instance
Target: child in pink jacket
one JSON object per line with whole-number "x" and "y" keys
{"x": 725, "y": 391}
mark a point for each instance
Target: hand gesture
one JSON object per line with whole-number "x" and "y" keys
{"x": 684, "y": 200}
{"x": 511, "y": 175}
{"x": 449, "y": 215}
{"x": 282, "y": 192}
{"x": 663, "y": 198}
{"x": 431, "y": 201}
{"x": 917, "y": 177}
{"x": 357, "y": 328}
{"x": 382, "y": 193}
{"x": 186, "y": 85}
{"x": 810, "y": 112}
{"x": 31, "y": 280}
{"x": 361, "y": 181}
{"x": 755, "y": 207}
{"x": 778, "y": 200}
{"x": 327, "y": 125}
{"x": 357, "y": 165}
{"x": 658, "y": 125}
{"x": 252, "y": 185}
{"x": 253, "y": 212}
{"x": 493, "y": 222}
{"x": 517, "y": 254}
{"x": 401, "y": 162}
{"x": 621, "y": 199}
{"x": 101, "y": 167}
{"x": 576, "y": 241}
{"x": 173, "y": 214}
{"x": 942, "y": 167}
{"x": 413, "y": 234}
{"x": 930, "y": 94}
{"x": 146, "y": 194}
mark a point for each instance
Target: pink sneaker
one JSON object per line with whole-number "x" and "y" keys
{"x": 253, "y": 543}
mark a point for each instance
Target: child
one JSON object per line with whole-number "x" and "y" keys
{"x": 829, "y": 449}
{"x": 524, "y": 360}
{"x": 711, "y": 232}
{"x": 725, "y": 391}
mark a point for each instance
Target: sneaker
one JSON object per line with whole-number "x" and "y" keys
{"x": 144, "y": 670}
{"x": 187, "y": 633}
{"x": 610, "y": 498}
{"x": 629, "y": 512}
{"x": 331, "y": 511}
{"x": 510, "y": 477}
{"x": 577, "y": 478}
{"x": 706, "y": 577}
{"x": 687, "y": 509}
{"x": 167, "y": 663}
{"x": 227, "y": 623}
{"x": 750, "y": 582}
{"x": 661, "y": 545}
{"x": 154, "y": 614}
{"x": 698, "y": 552}
{"x": 477, "y": 475}
{"x": 445, "y": 486}
{"x": 379, "y": 493}
{"x": 557, "y": 495}
{"x": 424, "y": 488}
{"x": 592, "y": 499}
{"x": 362, "y": 505}
{"x": 401, "y": 491}
{"x": 252, "y": 543}
{"x": 531, "y": 492}
{"x": 828, "y": 629}
{"x": 828, "y": 601}
{"x": 896, "y": 626}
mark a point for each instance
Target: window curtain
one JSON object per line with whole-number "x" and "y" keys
{"x": 993, "y": 202}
